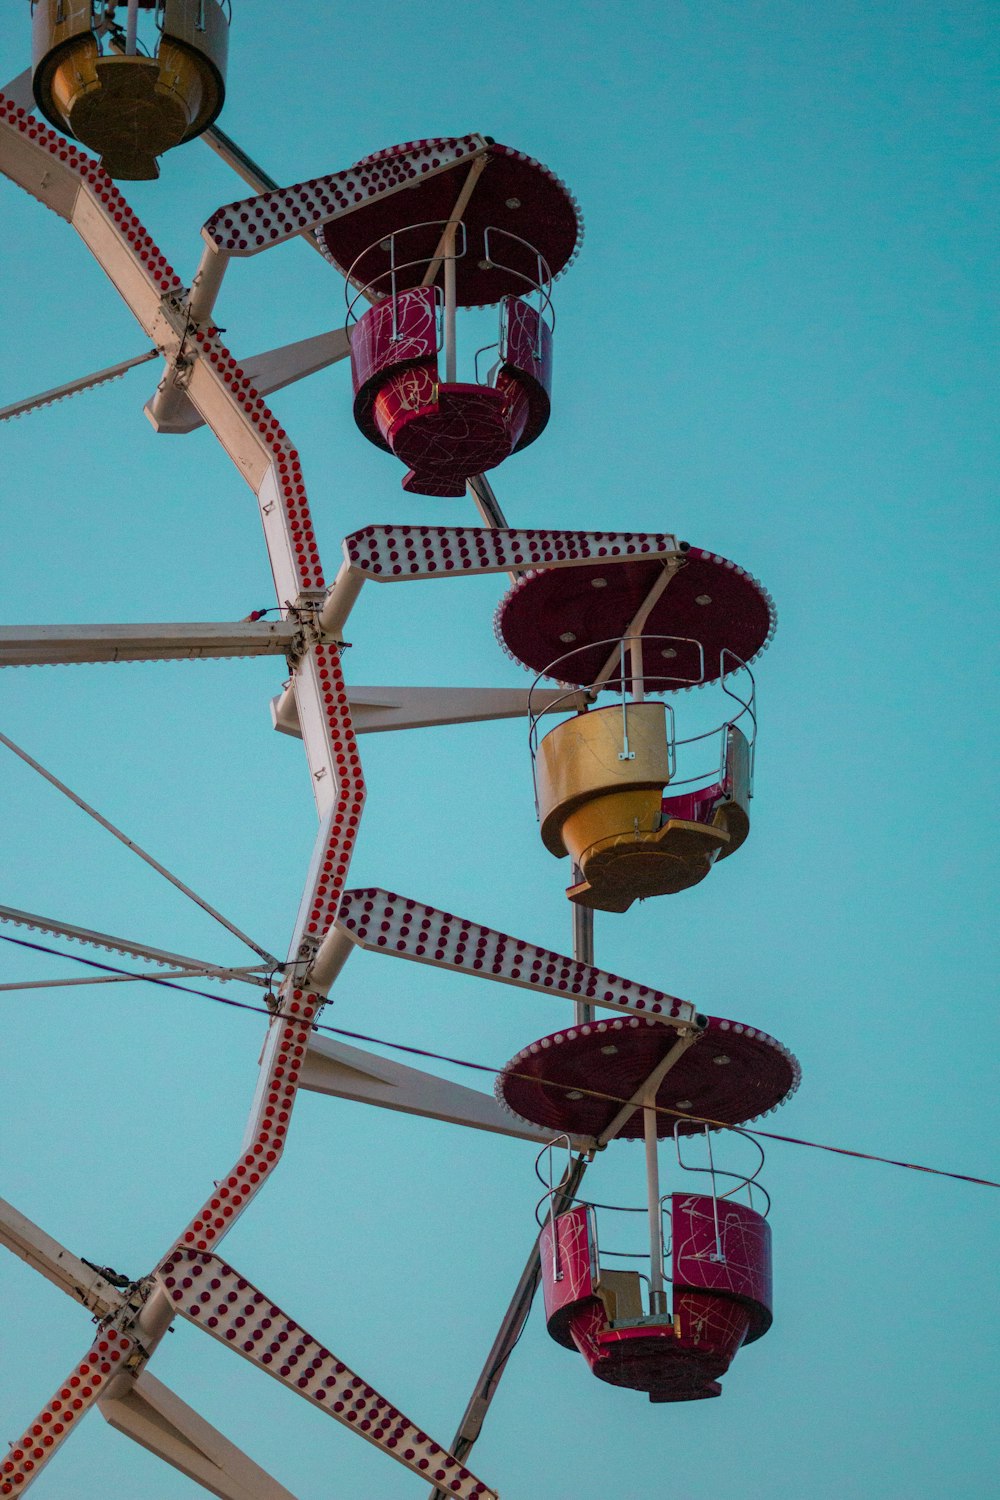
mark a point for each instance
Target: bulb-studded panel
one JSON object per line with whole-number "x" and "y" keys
{"x": 84, "y": 1385}
{"x": 215, "y": 1297}
{"x": 387, "y": 923}
{"x": 389, "y": 553}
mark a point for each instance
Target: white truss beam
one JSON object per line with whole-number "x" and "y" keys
{"x": 19, "y": 89}
{"x": 272, "y": 218}
{"x": 331, "y": 1067}
{"x": 401, "y": 927}
{"x": 220, "y": 975}
{"x": 73, "y": 387}
{"x": 408, "y": 554}
{"x": 104, "y": 940}
{"x": 106, "y": 1363}
{"x": 59, "y": 645}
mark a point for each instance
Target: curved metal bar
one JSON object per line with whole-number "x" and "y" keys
{"x": 742, "y": 1180}
{"x": 394, "y": 268}
{"x": 541, "y": 286}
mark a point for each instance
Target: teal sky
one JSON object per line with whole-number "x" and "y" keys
{"x": 779, "y": 343}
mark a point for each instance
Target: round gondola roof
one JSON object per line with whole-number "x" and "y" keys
{"x": 576, "y": 1080}
{"x": 559, "y": 621}
{"x": 524, "y": 207}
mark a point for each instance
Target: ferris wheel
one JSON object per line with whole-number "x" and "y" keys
{"x": 640, "y": 800}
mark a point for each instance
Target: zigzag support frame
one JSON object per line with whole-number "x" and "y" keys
{"x": 68, "y": 181}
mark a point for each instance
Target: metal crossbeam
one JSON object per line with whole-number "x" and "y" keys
{"x": 65, "y": 1270}
{"x": 331, "y": 1067}
{"x": 59, "y": 645}
{"x": 271, "y": 218}
{"x": 407, "y": 554}
{"x": 95, "y": 939}
{"x": 377, "y": 710}
{"x": 170, "y": 411}
{"x": 74, "y": 387}
{"x": 159, "y": 1421}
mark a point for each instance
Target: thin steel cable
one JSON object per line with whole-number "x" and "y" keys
{"x": 136, "y": 849}
{"x": 461, "y": 1062}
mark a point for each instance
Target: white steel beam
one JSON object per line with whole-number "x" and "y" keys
{"x": 19, "y": 89}
{"x": 273, "y": 218}
{"x": 331, "y": 1067}
{"x": 158, "y": 1420}
{"x": 147, "y": 1411}
{"x": 109, "y": 1359}
{"x": 73, "y": 387}
{"x": 57, "y": 1264}
{"x": 376, "y": 710}
{"x": 220, "y": 975}
{"x": 111, "y": 944}
{"x": 57, "y": 645}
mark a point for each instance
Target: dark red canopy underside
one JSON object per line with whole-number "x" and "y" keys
{"x": 556, "y": 611}
{"x": 758, "y": 1074}
{"x": 513, "y": 193}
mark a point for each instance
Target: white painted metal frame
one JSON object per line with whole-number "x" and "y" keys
{"x": 45, "y": 165}
{"x": 205, "y": 384}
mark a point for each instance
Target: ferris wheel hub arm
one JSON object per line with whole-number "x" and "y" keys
{"x": 272, "y": 218}
{"x": 95, "y": 939}
{"x": 101, "y": 1368}
{"x": 170, "y": 411}
{"x": 402, "y": 927}
{"x": 20, "y": 91}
